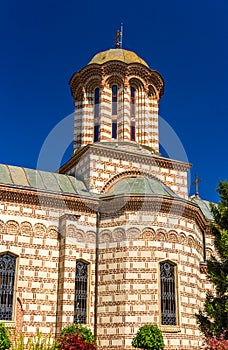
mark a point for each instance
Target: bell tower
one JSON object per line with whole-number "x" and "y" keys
{"x": 116, "y": 99}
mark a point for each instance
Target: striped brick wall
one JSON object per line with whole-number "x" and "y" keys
{"x": 129, "y": 294}
{"x": 100, "y": 166}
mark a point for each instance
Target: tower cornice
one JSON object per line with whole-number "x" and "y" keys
{"x": 114, "y": 150}
{"x": 98, "y": 72}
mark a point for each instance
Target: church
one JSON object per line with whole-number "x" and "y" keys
{"x": 111, "y": 240}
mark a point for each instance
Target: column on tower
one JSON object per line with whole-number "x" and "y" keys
{"x": 153, "y": 121}
{"x": 87, "y": 117}
{"x": 125, "y": 121}
{"x": 78, "y": 118}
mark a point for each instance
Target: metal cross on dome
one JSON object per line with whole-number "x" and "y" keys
{"x": 119, "y": 37}
{"x": 196, "y": 182}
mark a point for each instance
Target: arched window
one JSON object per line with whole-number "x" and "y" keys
{"x": 81, "y": 292}
{"x": 168, "y": 293}
{"x": 114, "y": 111}
{"x": 96, "y": 114}
{"x": 7, "y": 277}
{"x": 132, "y": 133}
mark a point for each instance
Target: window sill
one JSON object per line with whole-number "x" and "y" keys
{"x": 170, "y": 329}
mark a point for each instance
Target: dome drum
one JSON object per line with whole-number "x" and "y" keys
{"x": 117, "y": 100}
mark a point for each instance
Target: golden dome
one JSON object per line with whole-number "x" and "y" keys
{"x": 117, "y": 55}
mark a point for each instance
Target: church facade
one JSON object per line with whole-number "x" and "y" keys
{"x": 111, "y": 240}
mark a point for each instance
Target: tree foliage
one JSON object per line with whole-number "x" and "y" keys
{"x": 5, "y": 342}
{"x": 213, "y": 319}
{"x": 149, "y": 337}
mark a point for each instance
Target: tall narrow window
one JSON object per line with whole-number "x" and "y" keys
{"x": 81, "y": 292}
{"x": 132, "y": 135}
{"x": 96, "y": 114}
{"x": 114, "y": 100}
{"x": 7, "y": 277}
{"x": 114, "y": 129}
{"x": 168, "y": 298}
{"x": 132, "y": 101}
{"x": 96, "y": 132}
{"x": 114, "y": 111}
{"x": 132, "y": 130}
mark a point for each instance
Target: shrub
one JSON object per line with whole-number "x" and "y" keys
{"x": 74, "y": 342}
{"x": 215, "y": 343}
{"x": 84, "y": 333}
{"x": 5, "y": 342}
{"x": 149, "y": 337}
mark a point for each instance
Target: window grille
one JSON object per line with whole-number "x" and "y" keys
{"x": 168, "y": 299}
{"x": 7, "y": 276}
{"x": 81, "y": 291}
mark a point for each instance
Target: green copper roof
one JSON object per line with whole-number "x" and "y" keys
{"x": 140, "y": 186}
{"x": 204, "y": 206}
{"x": 41, "y": 180}
{"x": 122, "y": 55}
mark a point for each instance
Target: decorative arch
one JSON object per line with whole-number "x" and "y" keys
{"x": 114, "y": 80}
{"x": 105, "y": 236}
{"x": 26, "y": 228}
{"x": 12, "y": 227}
{"x": 92, "y": 83}
{"x": 40, "y": 229}
{"x": 152, "y": 91}
{"x": 148, "y": 233}
{"x": 90, "y": 237}
{"x": 161, "y": 235}
{"x": 118, "y": 234}
{"x": 126, "y": 174}
{"x": 52, "y": 231}
{"x": 191, "y": 241}
{"x": 182, "y": 237}
{"x": 172, "y": 237}
{"x": 157, "y": 81}
{"x": 78, "y": 95}
{"x": 133, "y": 233}
{"x": 73, "y": 232}
{"x": 137, "y": 83}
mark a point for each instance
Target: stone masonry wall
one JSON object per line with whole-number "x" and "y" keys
{"x": 46, "y": 262}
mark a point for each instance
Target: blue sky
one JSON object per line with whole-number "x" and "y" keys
{"x": 44, "y": 42}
